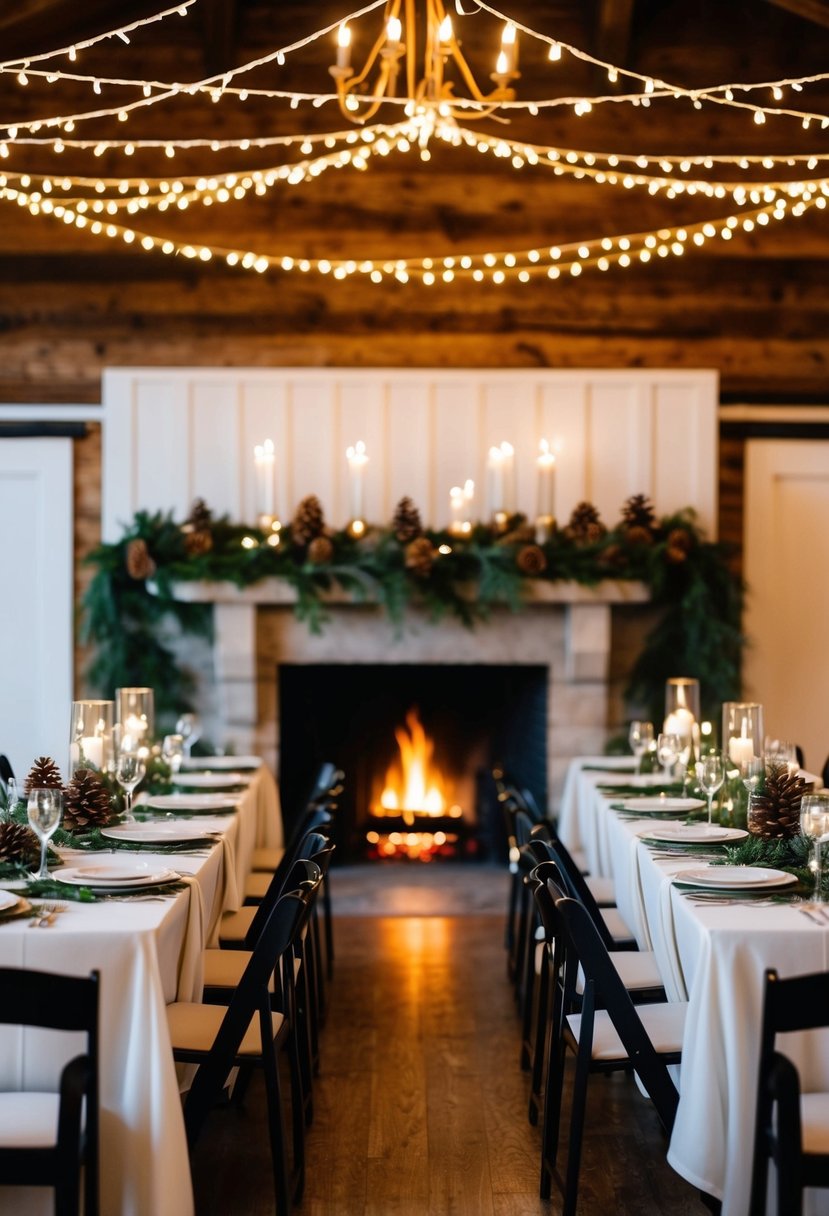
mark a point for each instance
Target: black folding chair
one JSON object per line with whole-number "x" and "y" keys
{"x": 791, "y": 1128}
{"x": 65, "y": 1124}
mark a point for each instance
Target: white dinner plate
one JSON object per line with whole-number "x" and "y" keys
{"x": 125, "y": 877}
{"x": 8, "y": 900}
{"x": 639, "y": 781}
{"x": 221, "y": 762}
{"x": 694, "y": 833}
{"x": 662, "y": 805}
{"x": 736, "y": 878}
{"x": 211, "y": 781}
{"x": 155, "y": 833}
{"x": 189, "y": 802}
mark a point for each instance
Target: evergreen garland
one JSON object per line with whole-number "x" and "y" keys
{"x": 133, "y": 628}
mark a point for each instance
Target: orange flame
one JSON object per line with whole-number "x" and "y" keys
{"x": 413, "y": 786}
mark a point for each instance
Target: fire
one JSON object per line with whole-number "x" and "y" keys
{"x": 413, "y": 785}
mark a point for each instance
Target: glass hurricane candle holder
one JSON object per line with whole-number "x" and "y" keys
{"x": 682, "y": 707}
{"x": 136, "y": 715}
{"x": 90, "y": 735}
{"x": 742, "y": 733}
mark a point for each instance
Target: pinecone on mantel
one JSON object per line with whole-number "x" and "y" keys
{"x": 406, "y": 523}
{"x": 585, "y": 526}
{"x": 87, "y": 803}
{"x": 43, "y": 775}
{"x": 774, "y": 812}
{"x": 308, "y": 522}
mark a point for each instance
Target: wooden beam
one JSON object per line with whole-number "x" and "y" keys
{"x": 613, "y": 28}
{"x": 816, "y": 11}
{"x": 219, "y": 35}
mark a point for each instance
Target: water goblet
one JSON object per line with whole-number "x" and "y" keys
{"x": 640, "y": 737}
{"x": 668, "y": 748}
{"x": 189, "y": 727}
{"x": 172, "y": 749}
{"x": 814, "y": 824}
{"x": 129, "y": 772}
{"x": 710, "y": 770}
{"x": 44, "y": 811}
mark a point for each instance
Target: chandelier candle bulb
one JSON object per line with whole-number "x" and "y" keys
{"x": 357, "y": 461}
{"x": 344, "y": 46}
{"x": 394, "y": 31}
{"x": 264, "y": 458}
{"x": 509, "y": 50}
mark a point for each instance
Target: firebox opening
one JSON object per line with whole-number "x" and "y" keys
{"x": 417, "y": 744}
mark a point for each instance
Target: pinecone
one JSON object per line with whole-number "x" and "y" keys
{"x": 613, "y": 558}
{"x": 419, "y": 556}
{"x": 320, "y": 551}
{"x": 638, "y": 512}
{"x": 308, "y": 522}
{"x": 18, "y": 843}
{"x": 198, "y": 541}
{"x": 637, "y": 535}
{"x": 139, "y": 563}
{"x": 43, "y": 775}
{"x": 87, "y": 802}
{"x": 774, "y": 812}
{"x": 198, "y": 529}
{"x": 585, "y": 526}
{"x": 531, "y": 560}
{"x": 406, "y": 523}
{"x": 200, "y": 517}
{"x": 678, "y": 545}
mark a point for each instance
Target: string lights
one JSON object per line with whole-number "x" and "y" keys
{"x": 433, "y": 113}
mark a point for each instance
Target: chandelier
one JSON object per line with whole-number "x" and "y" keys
{"x": 427, "y": 90}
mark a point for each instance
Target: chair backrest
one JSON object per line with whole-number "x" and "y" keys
{"x": 523, "y": 828}
{"x": 305, "y": 845}
{"x": 604, "y": 989}
{"x": 574, "y": 882}
{"x": 327, "y": 783}
{"x": 251, "y": 996}
{"x": 53, "y": 1002}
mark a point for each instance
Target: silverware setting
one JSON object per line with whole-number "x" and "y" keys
{"x": 44, "y": 916}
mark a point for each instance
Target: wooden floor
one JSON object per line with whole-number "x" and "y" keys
{"x": 421, "y": 1106}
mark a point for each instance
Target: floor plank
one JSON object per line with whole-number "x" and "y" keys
{"x": 421, "y": 1105}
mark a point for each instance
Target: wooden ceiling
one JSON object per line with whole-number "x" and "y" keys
{"x": 756, "y": 307}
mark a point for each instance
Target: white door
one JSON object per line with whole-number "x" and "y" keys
{"x": 36, "y": 582}
{"x": 787, "y": 572}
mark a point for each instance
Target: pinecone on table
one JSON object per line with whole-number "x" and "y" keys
{"x": 774, "y": 812}
{"x": 420, "y": 556}
{"x": 308, "y": 522}
{"x": 530, "y": 560}
{"x": 406, "y": 523}
{"x": 18, "y": 844}
{"x": 87, "y": 803}
{"x": 320, "y": 551}
{"x": 585, "y": 526}
{"x": 43, "y": 775}
{"x": 139, "y": 563}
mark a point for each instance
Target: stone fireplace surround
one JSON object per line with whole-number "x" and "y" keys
{"x": 563, "y": 627}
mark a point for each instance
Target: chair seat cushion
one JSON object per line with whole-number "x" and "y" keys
{"x": 224, "y": 968}
{"x": 637, "y": 969}
{"x": 28, "y": 1120}
{"x": 603, "y": 890}
{"x": 256, "y": 885}
{"x": 814, "y": 1116}
{"x": 539, "y": 957}
{"x": 194, "y": 1027}
{"x": 664, "y": 1023}
{"x": 234, "y": 926}
{"x": 618, "y": 930}
{"x": 266, "y": 859}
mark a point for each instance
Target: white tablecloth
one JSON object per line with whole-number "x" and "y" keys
{"x": 149, "y": 954}
{"x": 715, "y": 958}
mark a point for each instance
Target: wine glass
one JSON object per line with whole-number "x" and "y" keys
{"x": 751, "y": 772}
{"x": 129, "y": 772}
{"x": 814, "y": 824}
{"x": 172, "y": 748}
{"x": 668, "y": 748}
{"x": 189, "y": 727}
{"x": 710, "y": 770}
{"x": 640, "y": 737}
{"x": 14, "y": 794}
{"x": 44, "y": 811}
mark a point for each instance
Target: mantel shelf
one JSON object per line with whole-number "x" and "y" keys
{"x": 277, "y": 593}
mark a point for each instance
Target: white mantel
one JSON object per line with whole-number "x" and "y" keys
{"x": 562, "y": 626}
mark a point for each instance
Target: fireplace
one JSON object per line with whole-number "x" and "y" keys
{"x": 417, "y": 743}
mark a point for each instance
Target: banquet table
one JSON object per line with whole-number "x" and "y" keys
{"x": 149, "y": 953}
{"x": 715, "y": 958}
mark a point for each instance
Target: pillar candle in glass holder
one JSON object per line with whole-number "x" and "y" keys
{"x": 742, "y": 732}
{"x": 264, "y": 461}
{"x": 682, "y": 707}
{"x": 136, "y": 714}
{"x": 90, "y": 735}
{"x": 457, "y": 510}
{"x": 357, "y": 460}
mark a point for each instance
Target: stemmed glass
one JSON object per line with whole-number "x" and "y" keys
{"x": 751, "y": 772}
{"x": 640, "y": 738}
{"x": 171, "y": 750}
{"x": 14, "y": 793}
{"x": 668, "y": 749}
{"x": 189, "y": 727}
{"x": 129, "y": 772}
{"x": 44, "y": 810}
{"x": 814, "y": 824}
{"x": 710, "y": 770}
